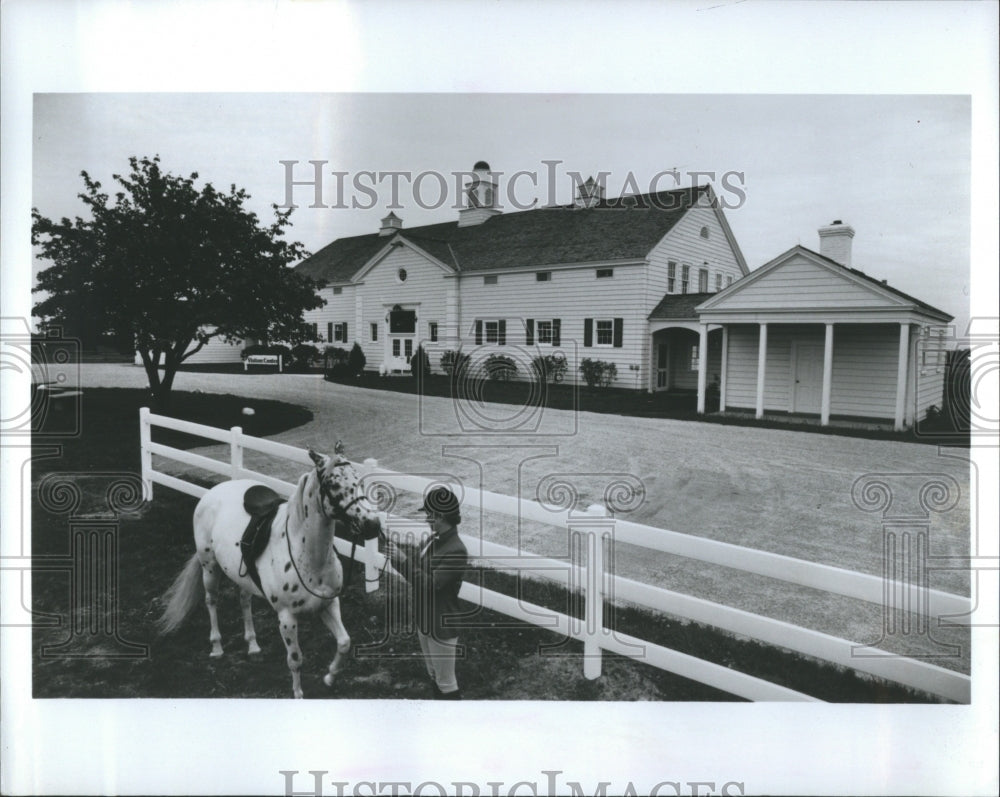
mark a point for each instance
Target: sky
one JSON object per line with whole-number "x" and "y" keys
{"x": 895, "y": 167}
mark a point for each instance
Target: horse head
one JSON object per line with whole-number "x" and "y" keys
{"x": 342, "y": 494}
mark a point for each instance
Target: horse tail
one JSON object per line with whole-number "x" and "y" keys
{"x": 184, "y": 594}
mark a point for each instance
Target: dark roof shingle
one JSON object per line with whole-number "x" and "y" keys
{"x": 617, "y": 229}
{"x": 678, "y": 307}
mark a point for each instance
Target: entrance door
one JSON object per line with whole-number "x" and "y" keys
{"x": 807, "y": 389}
{"x": 402, "y": 347}
{"x": 662, "y": 366}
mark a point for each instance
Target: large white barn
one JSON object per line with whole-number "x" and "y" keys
{"x": 654, "y": 283}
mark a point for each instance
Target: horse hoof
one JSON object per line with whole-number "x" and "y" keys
{"x": 254, "y": 651}
{"x": 328, "y": 679}
{"x": 215, "y": 654}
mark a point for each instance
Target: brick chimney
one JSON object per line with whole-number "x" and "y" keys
{"x": 390, "y": 224}
{"x": 835, "y": 242}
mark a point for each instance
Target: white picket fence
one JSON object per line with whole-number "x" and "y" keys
{"x": 597, "y": 532}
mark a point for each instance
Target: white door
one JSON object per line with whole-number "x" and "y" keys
{"x": 807, "y": 387}
{"x": 662, "y": 366}
{"x": 402, "y": 347}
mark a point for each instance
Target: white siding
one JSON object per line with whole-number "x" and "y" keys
{"x": 571, "y": 295}
{"x": 338, "y": 309}
{"x": 215, "y": 351}
{"x": 803, "y": 284}
{"x": 684, "y": 245}
{"x": 864, "y": 367}
{"x": 425, "y": 290}
{"x": 865, "y": 360}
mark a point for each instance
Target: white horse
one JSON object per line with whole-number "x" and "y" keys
{"x": 299, "y": 570}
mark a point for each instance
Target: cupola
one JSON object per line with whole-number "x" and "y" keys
{"x": 390, "y": 224}
{"x": 480, "y": 197}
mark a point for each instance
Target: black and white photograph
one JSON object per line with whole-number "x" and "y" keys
{"x": 404, "y": 418}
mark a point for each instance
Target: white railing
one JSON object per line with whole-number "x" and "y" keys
{"x": 594, "y": 531}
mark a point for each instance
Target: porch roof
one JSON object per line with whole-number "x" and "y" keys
{"x": 678, "y": 307}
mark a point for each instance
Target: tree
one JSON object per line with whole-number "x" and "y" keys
{"x": 172, "y": 266}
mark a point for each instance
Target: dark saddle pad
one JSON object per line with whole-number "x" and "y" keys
{"x": 261, "y": 503}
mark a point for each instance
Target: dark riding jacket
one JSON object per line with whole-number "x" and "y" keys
{"x": 435, "y": 573}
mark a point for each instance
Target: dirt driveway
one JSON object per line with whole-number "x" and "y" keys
{"x": 788, "y": 492}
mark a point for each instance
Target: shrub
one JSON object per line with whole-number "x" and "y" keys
{"x": 454, "y": 362}
{"x": 420, "y": 363}
{"x": 500, "y": 368}
{"x": 356, "y": 360}
{"x": 303, "y": 356}
{"x": 549, "y": 367}
{"x": 598, "y": 373}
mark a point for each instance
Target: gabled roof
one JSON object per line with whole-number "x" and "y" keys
{"x": 854, "y": 275}
{"x": 678, "y": 307}
{"x": 623, "y": 228}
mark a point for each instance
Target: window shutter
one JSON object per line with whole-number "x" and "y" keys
{"x": 619, "y": 325}
{"x": 502, "y": 332}
{"x": 556, "y": 339}
{"x": 588, "y": 332}
{"x": 529, "y": 332}
{"x": 329, "y": 332}
{"x": 346, "y": 339}
{"x": 479, "y": 333}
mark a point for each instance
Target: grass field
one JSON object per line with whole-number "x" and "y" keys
{"x": 503, "y": 659}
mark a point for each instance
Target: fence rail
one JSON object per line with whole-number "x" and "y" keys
{"x": 595, "y": 530}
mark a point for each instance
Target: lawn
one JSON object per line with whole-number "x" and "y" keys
{"x": 124, "y": 658}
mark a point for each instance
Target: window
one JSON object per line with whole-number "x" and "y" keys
{"x": 402, "y": 322}
{"x": 605, "y": 332}
{"x": 545, "y": 332}
{"x": 685, "y": 278}
{"x": 704, "y": 232}
{"x": 702, "y": 280}
{"x": 340, "y": 332}
{"x": 492, "y": 331}
{"x": 374, "y": 331}
{"x": 402, "y": 275}
{"x": 694, "y": 357}
{"x": 605, "y": 273}
{"x": 490, "y": 279}
{"x": 671, "y": 276}
{"x": 432, "y": 331}
{"x": 338, "y": 290}
{"x": 602, "y": 332}
{"x": 402, "y": 347}
{"x": 729, "y": 280}
{"x": 718, "y": 282}
{"x": 312, "y": 331}
{"x": 543, "y": 276}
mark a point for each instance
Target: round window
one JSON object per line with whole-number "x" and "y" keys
{"x": 401, "y": 274}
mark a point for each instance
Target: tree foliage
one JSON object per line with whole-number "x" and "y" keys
{"x": 171, "y": 266}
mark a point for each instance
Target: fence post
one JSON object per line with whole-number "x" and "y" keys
{"x": 592, "y": 526}
{"x": 145, "y": 456}
{"x": 236, "y": 452}
{"x": 372, "y": 573}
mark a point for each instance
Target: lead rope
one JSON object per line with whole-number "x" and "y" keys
{"x": 302, "y": 581}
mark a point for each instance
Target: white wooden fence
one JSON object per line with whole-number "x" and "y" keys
{"x": 596, "y": 531}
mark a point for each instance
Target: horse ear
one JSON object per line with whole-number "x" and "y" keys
{"x": 316, "y": 458}
{"x": 339, "y": 448}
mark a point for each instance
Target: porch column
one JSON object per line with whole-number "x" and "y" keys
{"x": 702, "y": 366}
{"x": 359, "y": 317}
{"x": 761, "y": 370}
{"x": 725, "y": 368}
{"x": 824, "y": 413}
{"x": 901, "y": 374}
{"x": 452, "y": 321}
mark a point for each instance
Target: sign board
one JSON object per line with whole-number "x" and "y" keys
{"x": 262, "y": 359}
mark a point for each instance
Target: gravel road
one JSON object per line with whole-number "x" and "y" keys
{"x": 783, "y": 491}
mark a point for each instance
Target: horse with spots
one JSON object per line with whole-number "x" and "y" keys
{"x": 299, "y": 571}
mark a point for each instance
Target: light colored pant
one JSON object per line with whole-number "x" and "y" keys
{"x": 439, "y": 657}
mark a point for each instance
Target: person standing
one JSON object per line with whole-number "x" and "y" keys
{"x": 434, "y": 572}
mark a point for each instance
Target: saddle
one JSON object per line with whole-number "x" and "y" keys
{"x": 261, "y": 503}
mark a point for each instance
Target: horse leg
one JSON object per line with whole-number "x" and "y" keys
{"x": 290, "y": 635}
{"x": 210, "y": 578}
{"x": 249, "y": 633}
{"x": 332, "y": 620}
